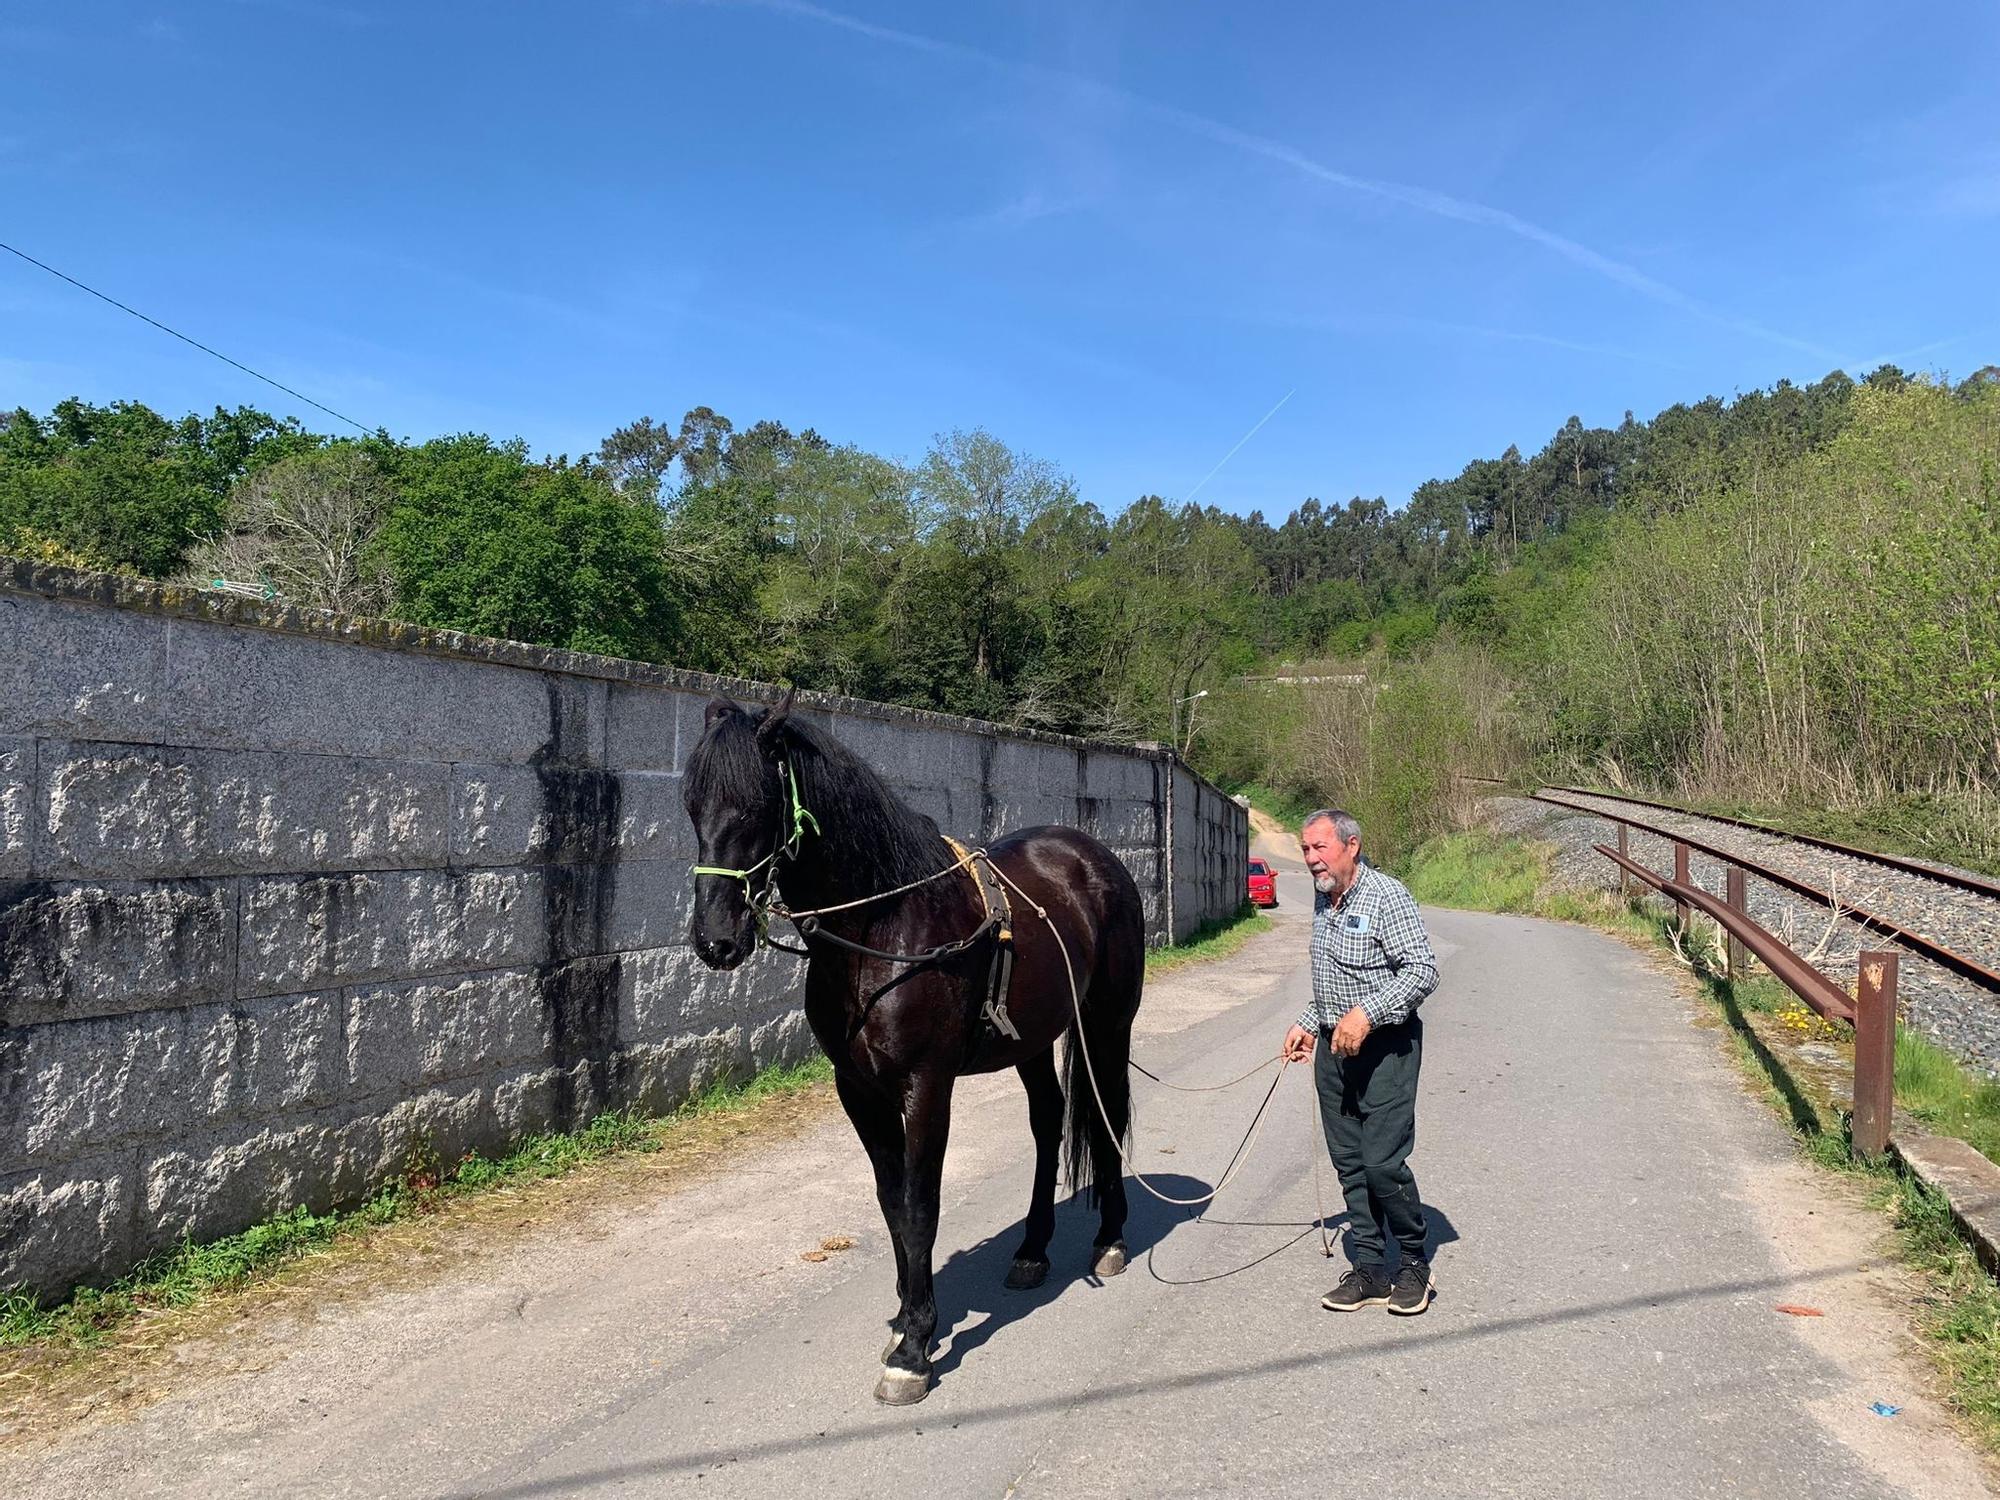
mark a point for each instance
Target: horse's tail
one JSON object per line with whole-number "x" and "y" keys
{"x": 1100, "y": 1118}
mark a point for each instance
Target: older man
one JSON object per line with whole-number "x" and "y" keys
{"x": 1371, "y": 967}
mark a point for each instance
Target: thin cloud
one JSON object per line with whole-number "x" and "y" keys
{"x": 1548, "y": 340}
{"x": 1408, "y": 195}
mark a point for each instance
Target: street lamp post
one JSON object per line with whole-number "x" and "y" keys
{"x": 1191, "y": 699}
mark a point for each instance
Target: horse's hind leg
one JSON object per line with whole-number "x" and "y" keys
{"x": 1113, "y": 1004}
{"x": 1108, "y": 1254}
{"x": 879, "y": 1124}
{"x": 1045, "y": 1119}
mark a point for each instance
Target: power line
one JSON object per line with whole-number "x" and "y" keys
{"x": 238, "y": 364}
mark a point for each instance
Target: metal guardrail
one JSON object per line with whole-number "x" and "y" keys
{"x": 1924, "y": 947}
{"x": 1871, "y": 1012}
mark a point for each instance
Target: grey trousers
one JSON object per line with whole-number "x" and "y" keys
{"x": 1368, "y": 1104}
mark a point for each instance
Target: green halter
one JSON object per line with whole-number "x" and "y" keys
{"x": 801, "y": 815}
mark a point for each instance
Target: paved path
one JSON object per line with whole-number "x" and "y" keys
{"x": 1616, "y": 1216}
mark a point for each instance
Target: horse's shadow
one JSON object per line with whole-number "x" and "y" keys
{"x": 973, "y": 1302}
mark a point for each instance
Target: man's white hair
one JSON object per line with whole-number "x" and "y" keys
{"x": 1343, "y": 822}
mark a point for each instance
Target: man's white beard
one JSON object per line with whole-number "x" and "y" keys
{"x": 1325, "y": 884}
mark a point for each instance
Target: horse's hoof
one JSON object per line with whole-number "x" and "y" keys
{"x": 902, "y": 1387}
{"x": 1026, "y": 1274}
{"x": 1110, "y": 1259}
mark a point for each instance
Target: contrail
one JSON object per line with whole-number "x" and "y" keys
{"x": 1423, "y": 199}
{"x": 1239, "y": 443}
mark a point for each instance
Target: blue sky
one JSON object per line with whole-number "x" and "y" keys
{"x": 1116, "y": 235}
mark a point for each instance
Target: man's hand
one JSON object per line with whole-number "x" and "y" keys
{"x": 1351, "y": 1032}
{"x": 1298, "y": 1044}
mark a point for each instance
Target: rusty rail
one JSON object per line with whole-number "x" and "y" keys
{"x": 1811, "y": 986}
{"x": 1916, "y": 942}
{"x": 1872, "y": 1011}
{"x": 1960, "y": 880}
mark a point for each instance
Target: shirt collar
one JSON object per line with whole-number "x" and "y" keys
{"x": 1337, "y": 903}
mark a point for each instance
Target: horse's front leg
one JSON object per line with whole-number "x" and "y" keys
{"x": 906, "y": 1375}
{"x": 879, "y": 1124}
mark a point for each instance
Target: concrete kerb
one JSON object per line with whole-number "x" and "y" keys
{"x": 1968, "y": 1181}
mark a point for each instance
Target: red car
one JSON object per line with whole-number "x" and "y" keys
{"x": 1263, "y": 884}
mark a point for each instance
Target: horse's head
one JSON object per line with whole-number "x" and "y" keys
{"x": 736, "y": 798}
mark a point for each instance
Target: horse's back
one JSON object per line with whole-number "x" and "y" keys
{"x": 1061, "y": 859}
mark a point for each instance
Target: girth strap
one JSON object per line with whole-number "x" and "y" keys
{"x": 996, "y": 908}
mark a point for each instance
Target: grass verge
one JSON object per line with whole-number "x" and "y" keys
{"x": 1480, "y": 871}
{"x": 1958, "y": 1308}
{"x": 1217, "y": 939}
{"x": 1932, "y": 1086}
{"x": 189, "y": 1273}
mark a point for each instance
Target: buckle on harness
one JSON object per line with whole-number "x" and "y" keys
{"x": 995, "y": 1009}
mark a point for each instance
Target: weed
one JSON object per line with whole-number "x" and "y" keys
{"x": 1216, "y": 939}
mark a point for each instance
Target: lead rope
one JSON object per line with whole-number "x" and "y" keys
{"x": 1314, "y": 1135}
{"x": 1090, "y": 1071}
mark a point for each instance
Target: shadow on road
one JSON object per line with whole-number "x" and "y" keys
{"x": 1441, "y": 1232}
{"x": 1394, "y": 1337}
{"x": 970, "y": 1282}
{"x": 1805, "y": 1118}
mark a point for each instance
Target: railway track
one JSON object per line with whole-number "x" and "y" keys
{"x": 1949, "y": 917}
{"x": 1962, "y": 880}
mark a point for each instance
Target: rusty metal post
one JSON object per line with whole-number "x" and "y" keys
{"x": 1739, "y": 956}
{"x": 1874, "y": 1053}
{"x": 1681, "y": 878}
{"x": 1624, "y": 880}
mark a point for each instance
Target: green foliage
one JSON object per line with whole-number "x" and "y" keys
{"x": 123, "y": 487}
{"x": 1827, "y": 624}
{"x": 481, "y": 539}
{"x": 1473, "y": 871}
{"x": 1935, "y": 1087}
{"x": 1215, "y": 939}
{"x": 1960, "y": 1309}
{"x": 1787, "y": 597}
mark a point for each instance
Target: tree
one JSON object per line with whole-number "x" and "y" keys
{"x": 480, "y": 539}
{"x": 636, "y": 457}
{"x": 975, "y": 497}
{"x": 309, "y": 525}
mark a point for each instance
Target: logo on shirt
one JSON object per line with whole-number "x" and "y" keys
{"x": 1354, "y": 921}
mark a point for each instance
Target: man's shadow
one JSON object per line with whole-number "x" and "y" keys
{"x": 974, "y": 1304}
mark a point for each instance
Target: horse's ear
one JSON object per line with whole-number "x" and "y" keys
{"x": 718, "y": 708}
{"x": 771, "y": 726}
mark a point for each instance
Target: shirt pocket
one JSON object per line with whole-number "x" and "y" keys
{"x": 1356, "y": 950}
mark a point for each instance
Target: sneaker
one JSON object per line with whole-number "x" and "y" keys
{"x": 1410, "y": 1293}
{"x": 1364, "y": 1286}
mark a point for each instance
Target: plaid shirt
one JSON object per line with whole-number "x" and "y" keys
{"x": 1368, "y": 949}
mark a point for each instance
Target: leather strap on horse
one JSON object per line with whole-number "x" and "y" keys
{"x": 993, "y": 898}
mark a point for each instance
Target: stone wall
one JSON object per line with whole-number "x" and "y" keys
{"x": 285, "y": 898}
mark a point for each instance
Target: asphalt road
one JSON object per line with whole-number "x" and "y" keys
{"x": 1615, "y": 1218}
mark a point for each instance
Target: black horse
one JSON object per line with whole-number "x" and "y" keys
{"x": 782, "y": 809}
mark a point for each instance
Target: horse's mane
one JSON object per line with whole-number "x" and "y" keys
{"x": 869, "y": 839}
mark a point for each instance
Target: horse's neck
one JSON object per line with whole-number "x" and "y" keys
{"x": 837, "y": 864}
